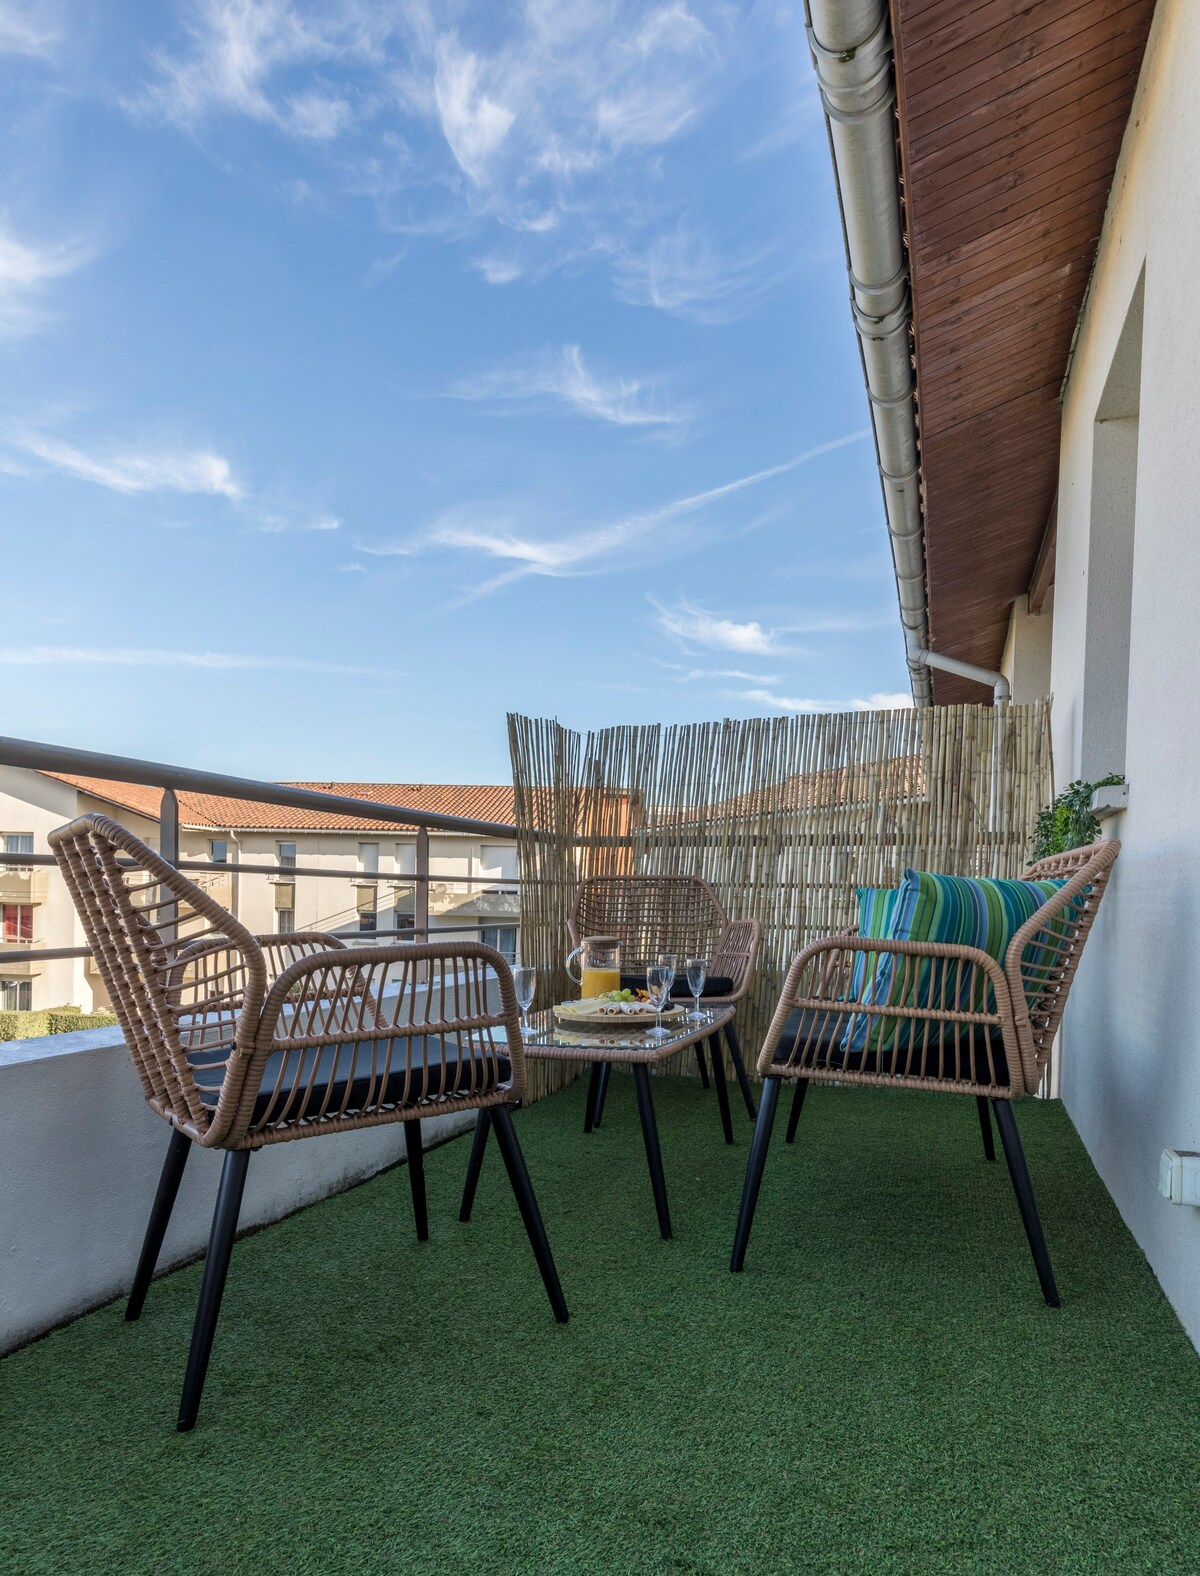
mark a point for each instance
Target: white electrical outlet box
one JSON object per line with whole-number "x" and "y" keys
{"x": 1179, "y": 1176}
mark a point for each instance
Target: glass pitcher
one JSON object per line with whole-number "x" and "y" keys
{"x": 599, "y": 966}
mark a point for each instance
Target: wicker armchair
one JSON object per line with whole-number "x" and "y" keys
{"x": 995, "y": 1054}
{"x": 679, "y": 914}
{"x": 241, "y": 1042}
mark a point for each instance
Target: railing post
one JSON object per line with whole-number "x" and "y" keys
{"x": 168, "y": 827}
{"x": 421, "y": 895}
{"x": 168, "y": 848}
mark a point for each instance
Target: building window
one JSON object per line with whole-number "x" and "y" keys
{"x": 16, "y": 921}
{"x": 368, "y": 920}
{"x": 16, "y": 995}
{"x": 503, "y": 938}
{"x": 285, "y": 921}
{"x": 15, "y": 843}
{"x": 218, "y": 851}
{"x": 368, "y": 858}
{"x": 286, "y": 853}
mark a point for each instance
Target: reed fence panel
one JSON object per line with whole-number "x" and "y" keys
{"x": 785, "y": 816}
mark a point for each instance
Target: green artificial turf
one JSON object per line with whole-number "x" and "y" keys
{"x": 881, "y": 1390}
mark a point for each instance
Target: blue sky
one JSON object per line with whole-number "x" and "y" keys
{"x": 375, "y": 367}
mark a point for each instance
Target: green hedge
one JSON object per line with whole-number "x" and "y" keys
{"x": 67, "y": 1020}
{"x": 51, "y": 1020}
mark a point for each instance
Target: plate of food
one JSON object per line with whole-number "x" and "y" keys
{"x": 616, "y": 1009}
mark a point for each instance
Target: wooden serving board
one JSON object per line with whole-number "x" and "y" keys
{"x": 576, "y": 1013}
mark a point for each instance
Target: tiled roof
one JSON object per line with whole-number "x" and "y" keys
{"x": 477, "y": 801}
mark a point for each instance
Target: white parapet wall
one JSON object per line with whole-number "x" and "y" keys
{"x": 80, "y": 1155}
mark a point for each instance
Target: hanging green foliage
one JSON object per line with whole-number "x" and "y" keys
{"x": 1067, "y": 822}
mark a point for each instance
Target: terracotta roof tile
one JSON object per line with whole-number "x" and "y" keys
{"x": 477, "y": 801}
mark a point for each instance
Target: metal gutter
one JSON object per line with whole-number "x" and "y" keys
{"x": 851, "y": 44}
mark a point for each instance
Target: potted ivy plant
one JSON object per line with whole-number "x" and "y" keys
{"x": 1067, "y": 822}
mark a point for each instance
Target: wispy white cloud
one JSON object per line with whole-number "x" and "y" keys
{"x": 133, "y": 470}
{"x": 152, "y": 657}
{"x": 26, "y": 269}
{"x": 692, "y": 675}
{"x": 561, "y": 379}
{"x": 474, "y": 123}
{"x": 499, "y": 270}
{"x": 29, "y": 27}
{"x": 550, "y": 120}
{"x": 697, "y": 626}
{"x": 243, "y": 56}
{"x": 684, "y": 273}
{"x": 276, "y": 524}
{"x": 881, "y": 701}
{"x": 582, "y": 550}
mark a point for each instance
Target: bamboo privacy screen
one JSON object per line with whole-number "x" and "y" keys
{"x": 785, "y": 816}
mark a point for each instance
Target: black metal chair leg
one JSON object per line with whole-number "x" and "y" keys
{"x": 645, "y": 1100}
{"x": 702, "y": 1064}
{"x": 797, "y": 1107}
{"x": 718, "y": 1069}
{"x": 474, "y": 1165}
{"x": 739, "y": 1067}
{"x": 985, "y": 1127}
{"x": 416, "y": 1176}
{"x": 754, "y": 1171}
{"x": 212, "y": 1287}
{"x": 179, "y": 1148}
{"x": 601, "y": 1093}
{"x": 1023, "y": 1188}
{"x": 518, "y": 1175}
{"x": 593, "y": 1088}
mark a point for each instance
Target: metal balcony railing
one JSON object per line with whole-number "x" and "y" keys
{"x": 170, "y": 779}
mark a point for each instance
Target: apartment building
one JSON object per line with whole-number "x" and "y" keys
{"x": 473, "y": 887}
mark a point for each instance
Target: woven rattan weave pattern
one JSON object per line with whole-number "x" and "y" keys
{"x": 944, "y": 1046}
{"x": 188, "y": 982}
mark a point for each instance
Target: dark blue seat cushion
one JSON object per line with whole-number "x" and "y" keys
{"x": 827, "y": 1031}
{"x": 715, "y": 985}
{"x": 421, "y": 1069}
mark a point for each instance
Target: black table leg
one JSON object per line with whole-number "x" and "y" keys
{"x": 601, "y": 1093}
{"x": 739, "y": 1067}
{"x": 593, "y": 1089}
{"x": 702, "y": 1063}
{"x": 645, "y": 1100}
{"x": 718, "y": 1071}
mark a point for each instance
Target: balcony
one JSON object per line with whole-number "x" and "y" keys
{"x": 501, "y": 901}
{"x": 881, "y": 1390}
{"x": 21, "y": 884}
{"x": 21, "y": 968}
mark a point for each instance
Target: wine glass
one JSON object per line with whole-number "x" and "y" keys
{"x": 697, "y": 973}
{"x": 658, "y": 986}
{"x": 524, "y": 983}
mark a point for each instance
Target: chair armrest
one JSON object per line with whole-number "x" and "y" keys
{"x": 820, "y": 980}
{"x": 1043, "y": 955}
{"x": 337, "y": 996}
{"x": 736, "y": 953}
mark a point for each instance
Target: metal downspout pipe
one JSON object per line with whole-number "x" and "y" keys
{"x": 851, "y": 45}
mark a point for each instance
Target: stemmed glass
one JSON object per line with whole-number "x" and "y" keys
{"x": 697, "y": 973}
{"x": 659, "y": 977}
{"x": 525, "y": 983}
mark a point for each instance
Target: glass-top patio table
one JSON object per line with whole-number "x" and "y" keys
{"x": 550, "y": 1040}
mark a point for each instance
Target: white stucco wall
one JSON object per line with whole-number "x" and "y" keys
{"x": 32, "y": 803}
{"x": 1131, "y": 1045}
{"x": 80, "y": 1155}
{"x": 1026, "y": 660}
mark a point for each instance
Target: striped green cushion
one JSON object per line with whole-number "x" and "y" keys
{"x": 876, "y": 910}
{"x": 984, "y": 914}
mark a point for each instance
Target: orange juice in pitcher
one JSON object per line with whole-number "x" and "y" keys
{"x": 599, "y": 966}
